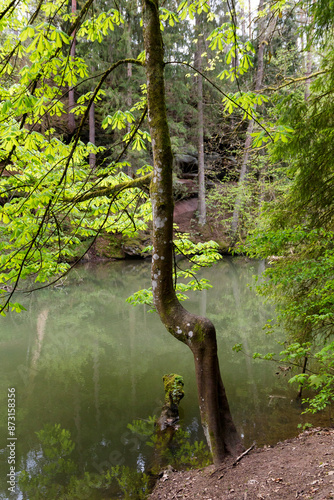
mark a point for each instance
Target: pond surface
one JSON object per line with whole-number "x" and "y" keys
{"x": 81, "y": 357}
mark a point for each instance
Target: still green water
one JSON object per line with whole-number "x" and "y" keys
{"x": 82, "y": 357}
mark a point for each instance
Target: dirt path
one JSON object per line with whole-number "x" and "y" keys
{"x": 301, "y": 468}
{"x": 184, "y": 212}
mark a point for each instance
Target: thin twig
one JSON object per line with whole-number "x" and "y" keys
{"x": 237, "y": 460}
{"x": 248, "y": 113}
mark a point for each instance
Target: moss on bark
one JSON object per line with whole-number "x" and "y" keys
{"x": 173, "y": 385}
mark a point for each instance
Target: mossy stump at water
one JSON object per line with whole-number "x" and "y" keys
{"x": 167, "y": 423}
{"x": 173, "y": 385}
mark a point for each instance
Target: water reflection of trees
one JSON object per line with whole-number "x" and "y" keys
{"x": 262, "y": 403}
{"x": 82, "y": 357}
{"x": 84, "y": 361}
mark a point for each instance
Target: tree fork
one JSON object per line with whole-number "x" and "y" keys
{"x": 195, "y": 331}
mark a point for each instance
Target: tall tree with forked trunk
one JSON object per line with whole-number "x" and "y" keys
{"x": 195, "y": 331}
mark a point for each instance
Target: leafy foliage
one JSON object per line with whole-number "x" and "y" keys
{"x": 44, "y": 176}
{"x": 318, "y": 378}
{"x": 296, "y": 233}
{"x": 199, "y": 255}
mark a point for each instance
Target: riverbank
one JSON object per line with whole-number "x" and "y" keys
{"x": 302, "y": 468}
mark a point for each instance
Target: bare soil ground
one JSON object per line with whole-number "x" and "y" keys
{"x": 301, "y": 468}
{"x": 184, "y": 212}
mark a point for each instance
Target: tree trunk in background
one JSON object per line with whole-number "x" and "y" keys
{"x": 129, "y": 96}
{"x": 200, "y": 126}
{"x": 308, "y": 59}
{"x": 243, "y": 22}
{"x": 129, "y": 65}
{"x": 92, "y": 135}
{"x": 308, "y": 72}
{"x": 195, "y": 331}
{"x": 264, "y": 37}
{"x": 92, "y": 156}
{"x": 129, "y": 75}
{"x": 71, "y": 98}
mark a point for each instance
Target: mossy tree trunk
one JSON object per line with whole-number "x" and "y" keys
{"x": 195, "y": 331}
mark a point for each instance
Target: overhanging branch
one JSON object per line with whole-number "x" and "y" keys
{"x": 139, "y": 182}
{"x": 291, "y": 81}
{"x": 90, "y": 102}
